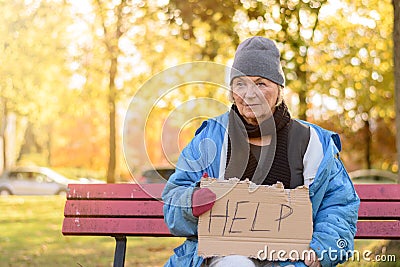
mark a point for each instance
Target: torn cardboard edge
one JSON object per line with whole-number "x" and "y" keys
{"x": 249, "y": 218}
{"x": 205, "y": 182}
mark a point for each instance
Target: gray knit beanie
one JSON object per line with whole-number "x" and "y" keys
{"x": 258, "y": 56}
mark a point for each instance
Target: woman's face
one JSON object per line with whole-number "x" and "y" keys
{"x": 255, "y": 98}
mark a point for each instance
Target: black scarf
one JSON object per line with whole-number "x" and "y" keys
{"x": 272, "y": 160}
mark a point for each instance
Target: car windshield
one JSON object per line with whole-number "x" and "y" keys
{"x": 55, "y": 176}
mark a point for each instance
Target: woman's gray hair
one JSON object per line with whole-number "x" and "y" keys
{"x": 280, "y": 96}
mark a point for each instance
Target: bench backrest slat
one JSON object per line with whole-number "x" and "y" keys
{"x": 378, "y": 229}
{"x": 115, "y": 191}
{"x": 117, "y": 208}
{"x": 115, "y": 226}
{"x": 379, "y": 210}
{"x": 378, "y": 192}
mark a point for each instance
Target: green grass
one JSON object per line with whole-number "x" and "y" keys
{"x": 30, "y": 235}
{"x": 30, "y": 230}
{"x": 380, "y": 248}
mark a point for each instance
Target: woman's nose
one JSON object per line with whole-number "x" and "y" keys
{"x": 251, "y": 91}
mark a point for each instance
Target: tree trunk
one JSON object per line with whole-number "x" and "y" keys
{"x": 30, "y": 144}
{"x": 368, "y": 144}
{"x": 302, "y": 95}
{"x": 49, "y": 143}
{"x": 396, "y": 58}
{"x": 3, "y": 123}
{"x": 111, "y": 40}
{"x": 112, "y": 140}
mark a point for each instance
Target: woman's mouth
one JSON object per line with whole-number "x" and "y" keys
{"x": 251, "y": 105}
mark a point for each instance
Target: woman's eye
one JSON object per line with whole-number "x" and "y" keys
{"x": 239, "y": 85}
{"x": 261, "y": 84}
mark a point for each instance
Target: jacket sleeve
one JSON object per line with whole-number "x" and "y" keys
{"x": 335, "y": 211}
{"x": 177, "y": 194}
{"x": 177, "y": 209}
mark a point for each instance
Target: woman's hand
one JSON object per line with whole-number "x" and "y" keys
{"x": 312, "y": 260}
{"x": 203, "y": 200}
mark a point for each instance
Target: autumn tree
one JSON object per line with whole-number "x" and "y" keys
{"x": 127, "y": 43}
{"x": 33, "y": 49}
{"x": 71, "y": 73}
{"x": 207, "y": 25}
{"x": 112, "y": 26}
{"x": 396, "y": 57}
{"x": 219, "y": 25}
{"x": 104, "y": 63}
{"x": 352, "y": 78}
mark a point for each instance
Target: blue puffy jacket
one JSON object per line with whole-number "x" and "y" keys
{"x": 334, "y": 200}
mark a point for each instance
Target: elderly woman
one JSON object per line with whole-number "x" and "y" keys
{"x": 258, "y": 140}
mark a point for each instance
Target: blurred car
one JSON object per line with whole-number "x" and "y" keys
{"x": 35, "y": 181}
{"x": 157, "y": 175}
{"x": 373, "y": 176}
{"x": 89, "y": 180}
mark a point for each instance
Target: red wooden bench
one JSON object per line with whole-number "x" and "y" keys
{"x": 379, "y": 213}
{"x": 121, "y": 210}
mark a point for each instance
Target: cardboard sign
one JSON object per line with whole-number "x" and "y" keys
{"x": 254, "y": 221}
